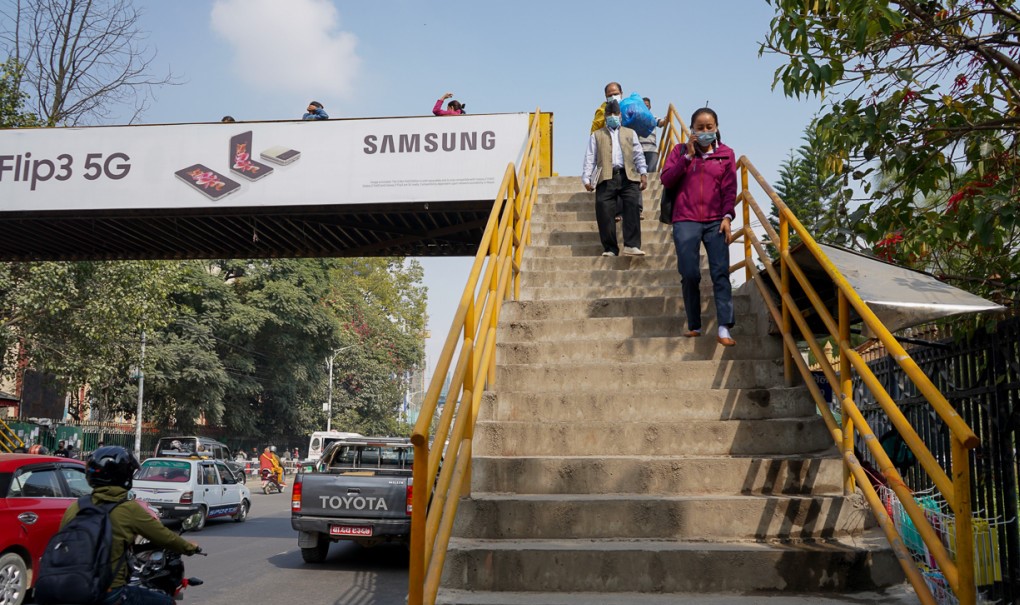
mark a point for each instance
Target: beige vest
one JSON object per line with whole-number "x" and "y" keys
{"x": 604, "y": 153}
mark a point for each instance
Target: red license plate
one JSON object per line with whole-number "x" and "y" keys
{"x": 350, "y": 530}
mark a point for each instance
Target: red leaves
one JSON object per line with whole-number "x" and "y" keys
{"x": 960, "y": 82}
{"x": 909, "y": 96}
{"x": 886, "y": 248}
{"x": 970, "y": 190}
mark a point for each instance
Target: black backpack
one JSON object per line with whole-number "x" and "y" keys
{"x": 75, "y": 567}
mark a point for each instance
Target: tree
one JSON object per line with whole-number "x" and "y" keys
{"x": 81, "y": 58}
{"x": 926, "y": 93}
{"x": 813, "y": 193}
{"x": 12, "y": 99}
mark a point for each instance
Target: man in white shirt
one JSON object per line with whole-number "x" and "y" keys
{"x": 614, "y": 168}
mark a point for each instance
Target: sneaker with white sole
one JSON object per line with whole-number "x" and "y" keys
{"x": 608, "y": 253}
{"x": 627, "y": 250}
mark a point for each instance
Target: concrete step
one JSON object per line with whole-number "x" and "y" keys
{"x": 646, "y": 306}
{"x": 646, "y": 438}
{"x": 615, "y": 329}
{"x": 636, "y": 276}
{"x": 652, "y": 406}
{"x": 606, "y": 263}
{"x": 551, "y": 216}
{"x": 591, "y": 247}
{"x": 620, "y": 377}
{"x": 656, "y": 233}
{"x": 666, "y": 566}
{"x": 672, "y": 475}
{"x": 594, "y": 291}
{"x": 899, "y": 594}
{"x": 589, "y": 225}
{"x": 491, "y": 516}
{"x": 579, "y": 201}
{"x": 631, "y": 349}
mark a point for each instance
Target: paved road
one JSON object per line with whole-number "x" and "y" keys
{"x": 259, "y": 562}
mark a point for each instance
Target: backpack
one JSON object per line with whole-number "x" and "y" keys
{"x": 75, "y": 567}
{"x": 898, "y": 451}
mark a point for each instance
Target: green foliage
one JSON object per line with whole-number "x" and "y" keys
{"x": 926, "y": 93}
{"x": 12, "y": 99}
{"x": 813, "y": 193}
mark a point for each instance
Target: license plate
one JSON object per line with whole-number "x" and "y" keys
{"x": 350, "y": 530}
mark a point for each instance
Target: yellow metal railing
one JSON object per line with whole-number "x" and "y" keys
{"x": 954, "y": 487}
{"x": 9, "y": 440}
{"x": 442, "y": 446}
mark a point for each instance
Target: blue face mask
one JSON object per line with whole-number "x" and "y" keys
{"x": 706, "y": 138}
{"x": 613, "y": 122}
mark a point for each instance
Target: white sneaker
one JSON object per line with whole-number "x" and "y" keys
{"x": 608, "y": 253}
{"x": 627, "y": 250}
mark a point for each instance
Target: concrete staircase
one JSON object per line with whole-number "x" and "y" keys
{"x": 618, "y": 462}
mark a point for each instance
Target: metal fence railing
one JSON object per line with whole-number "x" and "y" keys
{"x": 980, "y": 376}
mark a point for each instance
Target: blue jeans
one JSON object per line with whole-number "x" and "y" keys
{"x": 136, "y": 595}
{"x": 688, "y": 237}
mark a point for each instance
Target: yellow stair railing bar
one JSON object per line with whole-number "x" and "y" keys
{"x": 955, "y": 489}
{"x": 9, "y": 440}
{"x": 443, "y": 445}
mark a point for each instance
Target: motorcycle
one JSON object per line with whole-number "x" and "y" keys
{"x": 162, "y": 570}
{"x": 269, "y": 482}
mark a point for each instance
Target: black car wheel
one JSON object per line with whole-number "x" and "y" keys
{"x": 317, "y": 553}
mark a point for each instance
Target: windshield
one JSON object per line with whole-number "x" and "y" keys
{"x": 369, "y": 457}
{"x": 174, "y": 471}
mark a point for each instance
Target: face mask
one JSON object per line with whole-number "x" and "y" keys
{"x": 613, "y": 122}
{"x": 616, "y": 98}
{"x": 706, "y": 138}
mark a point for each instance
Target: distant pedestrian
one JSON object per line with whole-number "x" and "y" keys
{"x": 315, "y": 112}
{"x": 61, "y": 449}
{"x": 614, "y": 168}
{"x": 649, "y": 144}
{"x": 453, "y": 108}
{"x": 228, "y": 119}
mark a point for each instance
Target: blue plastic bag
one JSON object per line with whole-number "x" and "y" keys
{"x": 636, "y": 116}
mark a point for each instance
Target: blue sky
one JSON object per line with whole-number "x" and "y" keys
{"x": 266, "y": 59}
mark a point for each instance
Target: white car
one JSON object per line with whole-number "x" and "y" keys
{"x": 178, "y": 487}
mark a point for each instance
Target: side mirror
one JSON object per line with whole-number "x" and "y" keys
{"x": 191, "y": 522}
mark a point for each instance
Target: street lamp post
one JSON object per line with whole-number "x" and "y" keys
{"x": 138, "y": 414}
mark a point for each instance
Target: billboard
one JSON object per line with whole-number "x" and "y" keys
{"x": 186, "y": 166}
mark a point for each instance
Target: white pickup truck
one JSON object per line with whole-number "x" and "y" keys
{"x": 359, "y": 490}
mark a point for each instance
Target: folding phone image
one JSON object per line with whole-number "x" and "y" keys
{"x": 208, "y": 182}
{"x": 240, "y": 161}
{"x": 280, "y": 155}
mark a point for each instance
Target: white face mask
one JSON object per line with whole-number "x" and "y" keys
{"x": 616, "y": 98}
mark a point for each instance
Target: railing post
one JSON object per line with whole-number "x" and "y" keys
{"x": 419, "y": 503}
{"x": 747, "y": 224}
{"x": 494, "y": 246}
{"x": 966, "y": 591}
{"x": 846, "y": 387}
{"x": 784, "y": 289}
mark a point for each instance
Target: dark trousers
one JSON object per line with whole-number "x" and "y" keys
{"x": 688, "y": 237}
{"x": 618, "y": 193}
{"x": 136, "y": 595}
{"x": 652, "y": 161}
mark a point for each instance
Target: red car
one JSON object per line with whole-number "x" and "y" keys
{"x": 34, "y": 493}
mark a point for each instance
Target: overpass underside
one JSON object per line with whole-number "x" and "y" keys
{"x": 417, "y": 229}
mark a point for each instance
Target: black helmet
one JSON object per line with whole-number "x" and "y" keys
{"x": 111, "y": 465}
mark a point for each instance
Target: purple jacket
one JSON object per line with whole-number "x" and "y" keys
{"x": 706, "y": 185}
{"x": 438, "y": 110}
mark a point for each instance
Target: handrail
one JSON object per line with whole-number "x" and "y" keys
{"x": 443, "y": 444}
{"x": 955, "y": 486}
{"x": 674, "y": 132}
{"x": 9, "y": 440}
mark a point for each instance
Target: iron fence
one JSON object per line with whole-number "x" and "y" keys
{"x": 980, "y": 376}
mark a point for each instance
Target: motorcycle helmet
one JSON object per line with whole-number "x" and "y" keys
{"x": 111, "y": 465}
{"x": 272, "y": 448}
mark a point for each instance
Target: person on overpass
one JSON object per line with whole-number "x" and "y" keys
{"x": 453, "y": 108}
{"x": 614, "y": 92}
{"x": 703, "y": 173}
{"x": 315, "y": 112}
{"x": 614, "y": 168}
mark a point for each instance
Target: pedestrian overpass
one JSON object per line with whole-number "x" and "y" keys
{"x": 470, "y": 185}
{"x": 417, "y": 186}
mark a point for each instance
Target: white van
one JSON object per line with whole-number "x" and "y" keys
{"x": 320, "y": 439}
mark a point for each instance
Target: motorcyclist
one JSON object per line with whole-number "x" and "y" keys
{"x": 109, "y": 471}
{"x": 269, "y": 461}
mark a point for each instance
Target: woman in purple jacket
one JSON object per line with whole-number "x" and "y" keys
{"x": 704, "y": 176}
{"x": 453, "y": 108}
